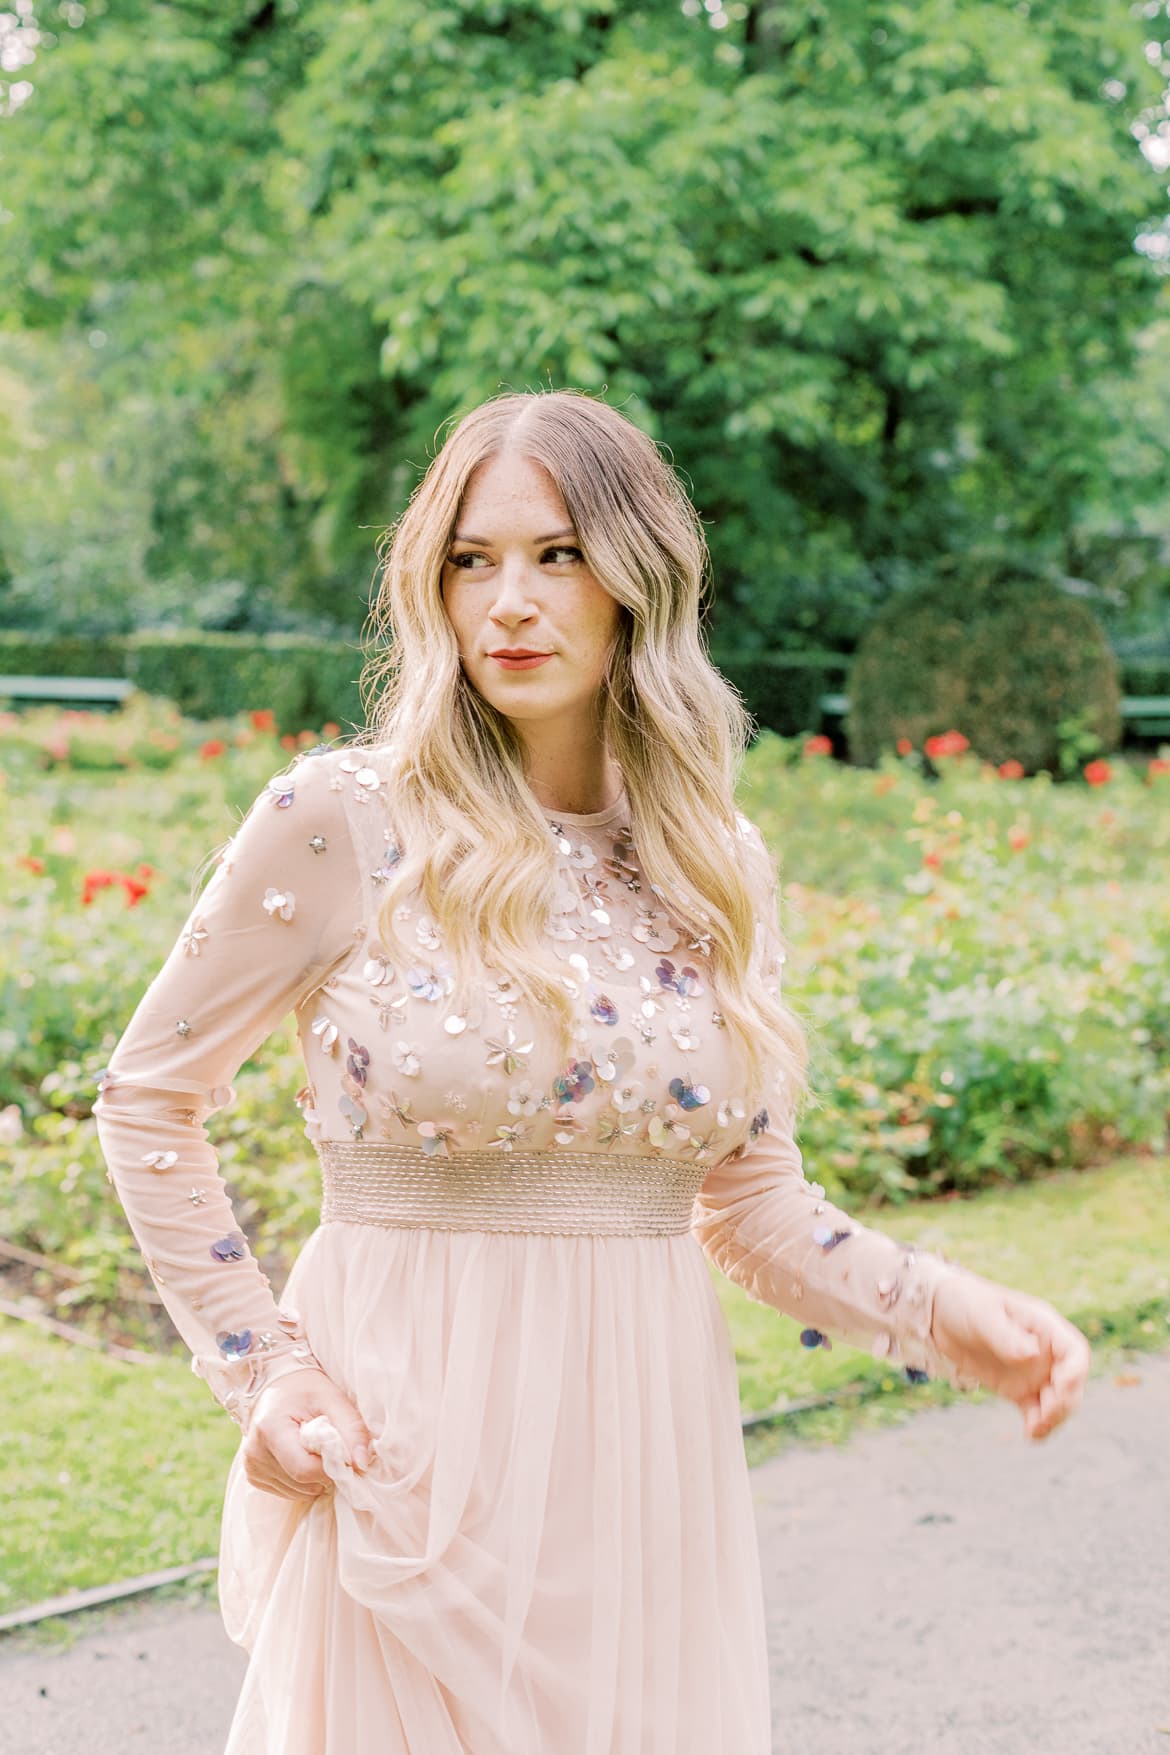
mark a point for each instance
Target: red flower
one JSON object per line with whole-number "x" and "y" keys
{"x": 288, "y": 741}
{"x": 934, "y": 860}
{"x": 263, "y": 719}
{"x": 31, "y": 862}
{"x": 1157, "y": 765}
{"x": 904, "y": 746}
{"x": 1018, "y": 838}
{"x": 818, "y": 746}
{"x": 95, "y": 881}
{"x": 329, "y": 729}
{"x": 1011, "y": 770}
{"x": 1098, "y": 772}
{"x": 101, "y": 880}
{"x": 947, "y": 743}
{"x": 215, "y": 746}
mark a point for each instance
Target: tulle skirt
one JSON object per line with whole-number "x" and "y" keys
{"x": 554, "y": 1549}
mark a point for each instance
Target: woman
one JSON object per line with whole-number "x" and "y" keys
{"x": 491, "y": 1494}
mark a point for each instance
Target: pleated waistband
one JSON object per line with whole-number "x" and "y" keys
{"x": 567, "y": 1193}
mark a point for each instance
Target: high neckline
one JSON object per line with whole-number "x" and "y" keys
{"x": 586, "y": 819}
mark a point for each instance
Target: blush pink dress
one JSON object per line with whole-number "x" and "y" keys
{"x": 554, "y": 1550}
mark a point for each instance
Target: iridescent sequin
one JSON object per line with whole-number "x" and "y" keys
{"x": 354, "y": 1111}
{"x": 234, "y": 1346}
{"x": 194, "y": 938}
{"x": 431, "y": 983}
{"x": 233, "y": 1247}
{"x": 508, "y": 1054}
{"x": 828, "y": 1238}
{"x": 279, "y": 904}
{"x": 684, "y": 981}
{"x": 357, "y": 1061}
{"x": 160, "y": 1160}
{"x": 689, "y": 1095}
{"x": 573, "y": 1085}
{"x": 435, "y": 1137}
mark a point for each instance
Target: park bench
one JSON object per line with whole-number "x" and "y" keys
{"x": 73, "y": 691}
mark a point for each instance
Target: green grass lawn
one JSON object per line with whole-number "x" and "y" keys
{"x": 113, "y": 1469}
{"x": 110, "y": 1469}
{"x": 1095, "y": 1243}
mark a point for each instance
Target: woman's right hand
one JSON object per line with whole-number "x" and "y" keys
{"x": 275, "y": 1459}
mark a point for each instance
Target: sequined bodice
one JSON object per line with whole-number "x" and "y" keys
{"x": 288, "y": 923}
{"x": 652, "y": 1068}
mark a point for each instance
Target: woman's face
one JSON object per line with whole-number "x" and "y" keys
{"x": 514, "y": 577}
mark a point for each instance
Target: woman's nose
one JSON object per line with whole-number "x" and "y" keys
{"x": 514, "y": 582}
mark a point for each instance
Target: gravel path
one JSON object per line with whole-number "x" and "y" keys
{"x": 947, "y": 1588}
{"x": 938, "y": 1588}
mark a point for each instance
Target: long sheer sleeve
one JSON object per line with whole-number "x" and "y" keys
{"x": 282, "y": 908}
{"x": 774, "y": 1234}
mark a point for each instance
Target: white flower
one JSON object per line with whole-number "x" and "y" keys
{"x": 524, "y": 1099}
{"x": 280, "y": 904}
{"x": 194, "y": 937}
{"x": 405, "y": 1058}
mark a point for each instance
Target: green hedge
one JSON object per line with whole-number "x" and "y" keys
{"x": 304, "y": 681}
{"x": 62, "y": 655}
{"x": 1146, "y": 676}
{"x": 307, "y": 681}
{"x": 782, "y": 690}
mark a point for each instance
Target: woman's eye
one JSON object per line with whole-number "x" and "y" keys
{"x": 562, "y": 549}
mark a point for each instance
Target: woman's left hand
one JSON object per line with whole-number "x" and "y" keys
{"x": 1017, "y": 1346}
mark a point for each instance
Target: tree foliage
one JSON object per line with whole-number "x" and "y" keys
{"x": 868, "y": 269}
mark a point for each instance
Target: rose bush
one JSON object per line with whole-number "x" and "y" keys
{"x": 982, "y": 961}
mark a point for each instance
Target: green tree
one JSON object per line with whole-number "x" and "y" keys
{"x": 863, "y": 267}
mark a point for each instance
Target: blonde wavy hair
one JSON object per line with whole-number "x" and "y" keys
{"x": 473, "y": 839}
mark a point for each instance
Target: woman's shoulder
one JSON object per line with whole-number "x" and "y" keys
{"x": 327, "y": 783}
{"x": 342, "y": 766}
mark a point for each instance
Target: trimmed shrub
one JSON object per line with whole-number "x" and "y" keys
{"x": 991, "y": 647}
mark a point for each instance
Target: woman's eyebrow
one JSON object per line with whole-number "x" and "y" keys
{"x": 485, "y": 541}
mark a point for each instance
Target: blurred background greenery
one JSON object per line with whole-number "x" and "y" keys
{"x": 888, "y": 280}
